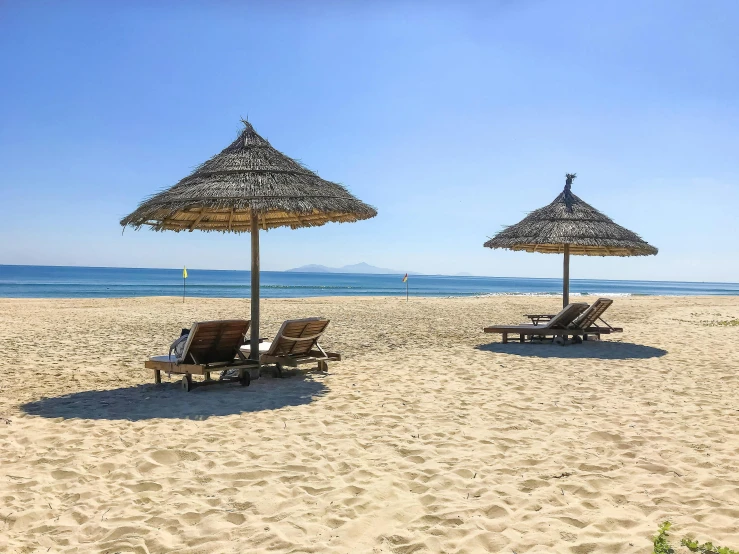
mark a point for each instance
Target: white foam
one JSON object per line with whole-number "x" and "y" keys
{"x": 545, "y": 294}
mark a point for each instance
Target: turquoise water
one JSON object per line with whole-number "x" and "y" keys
{"x": 18, "y": 281}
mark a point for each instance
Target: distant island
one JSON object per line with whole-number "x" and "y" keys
{"x": 353, "y": 268}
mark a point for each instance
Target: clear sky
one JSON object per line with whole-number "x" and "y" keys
{"x": 452, "y": 119}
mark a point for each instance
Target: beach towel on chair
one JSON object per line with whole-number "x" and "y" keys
{"x": 178, "y": 346}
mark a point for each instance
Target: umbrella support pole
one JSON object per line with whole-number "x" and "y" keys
{"x": 566, "y": 278}
{"x": 254, "y": 325}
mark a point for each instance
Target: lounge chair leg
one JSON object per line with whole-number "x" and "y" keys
{"x": 505, "y": 338}
{"x": 157, "y": 377}
{"x": 521, "y": 338}
{"x": 322, "y": 365}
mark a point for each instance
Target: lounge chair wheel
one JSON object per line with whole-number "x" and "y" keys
{"x": 245, "y": 379}
{"x": 278, "y": 370}
{"x": 186, "y": 383}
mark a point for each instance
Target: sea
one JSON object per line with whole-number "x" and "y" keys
{"x": 23, "y": 281}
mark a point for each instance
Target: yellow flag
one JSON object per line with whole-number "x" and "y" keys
{"x": 184, "y": 273}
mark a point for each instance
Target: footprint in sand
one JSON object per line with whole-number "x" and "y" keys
{"x": 236, "y": 519}
{"x": 532, "y": 484}
{"x": 63, "y": 474}
{"x": 495, "y": 511}
{"x": 144, "y": 486}
{"x": 605, "y": 436}
{"x": 169, "y": 457}
{"x": 573, "y": 522}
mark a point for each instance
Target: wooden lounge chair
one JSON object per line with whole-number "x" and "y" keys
{"x": 211, "y": 346}
{"x": 296, "y": 343}
{"x": 588, "y": 319}
{"x": 557, "y": 326}
{"x": 585, "y": 324}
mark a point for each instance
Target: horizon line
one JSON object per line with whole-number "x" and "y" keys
{"x": 410, "y": 274}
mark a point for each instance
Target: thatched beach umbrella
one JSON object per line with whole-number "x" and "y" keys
{"x": 569, "y": 226}
{"x": 247, "y": 187}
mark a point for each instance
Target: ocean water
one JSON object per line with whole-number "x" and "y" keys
{"x": 18, "y": 281}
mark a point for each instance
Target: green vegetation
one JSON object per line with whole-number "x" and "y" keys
{"x": 662, "y": 545}
{"x": 706, "y": 548}
{"x": 726, "y": 323}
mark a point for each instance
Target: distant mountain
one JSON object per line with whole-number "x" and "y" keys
{"x": 353, "y": 268}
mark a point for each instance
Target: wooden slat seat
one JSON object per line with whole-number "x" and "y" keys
{"x": 210, "y": 346}
{"x": 587, "y": 320}
{"x": 296, "y": 343}
{"x": 556, "y": 326}
{"x": 585, "y": 324}
{"x": 582, "y": 325}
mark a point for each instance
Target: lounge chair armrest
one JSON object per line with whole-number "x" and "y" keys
{"x": 537, "y": 318}
{"x": 261, "y": 339}
{"x": 335, "y": 356}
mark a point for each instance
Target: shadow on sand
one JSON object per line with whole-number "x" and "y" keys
{"x": 601, "y": 350}
{"x": 169, "y": 401}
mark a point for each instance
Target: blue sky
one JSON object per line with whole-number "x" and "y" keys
{"x": 452, "y": 120}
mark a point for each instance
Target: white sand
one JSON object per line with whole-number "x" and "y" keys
{"x": 430, "y": 437}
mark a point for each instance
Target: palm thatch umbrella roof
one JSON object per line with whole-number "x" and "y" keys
{"x": 248, "y": 177}
{"x": 570, "y": 226}
{"x": 247, "y": 187}
{"x": 570, "y": 220}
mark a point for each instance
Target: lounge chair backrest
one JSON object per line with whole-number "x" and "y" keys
{"x": 214, "y": 341}
{"x": 297, "y": 337}
{"x": 590, "y": 316}
{"x": 568, "y": 314}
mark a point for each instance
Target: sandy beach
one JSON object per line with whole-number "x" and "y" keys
{"x": 430, "y": 436}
